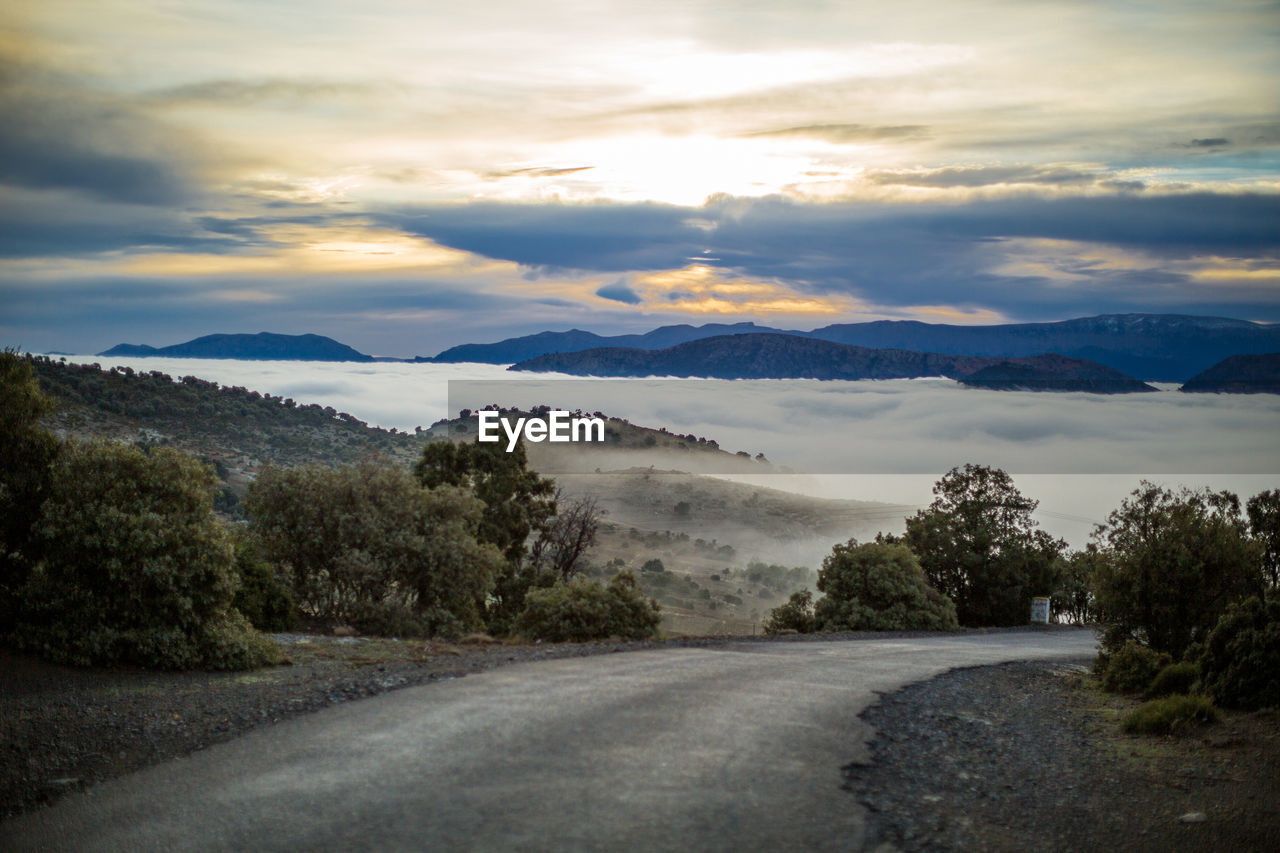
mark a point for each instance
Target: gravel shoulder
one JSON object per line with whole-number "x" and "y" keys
{"x": 1030, "y": 756}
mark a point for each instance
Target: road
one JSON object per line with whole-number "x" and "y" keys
{"x": 737, "y": 747}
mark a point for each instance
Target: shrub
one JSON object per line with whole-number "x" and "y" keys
{"x": 365, "y": 543}
{"x": 795, "y": 615}
{"x": 1240, "y": 666}
{"x": 654, "y": 565}
{"x": 1175, "y": 561}
{"x": 1132, "y": 668}
{"x": 263, "y": 597}
{"x": 879, "y": 587}
{"x": 580, "y": 610}
{"x": 137, "y": 569}
{"x": 1176, "y": 678}
{"x": 1170, "y": 715}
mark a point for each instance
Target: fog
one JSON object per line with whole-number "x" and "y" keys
{"x": 1077, "y": 453}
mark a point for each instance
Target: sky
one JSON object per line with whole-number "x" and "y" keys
{"x": 408, "y": 176}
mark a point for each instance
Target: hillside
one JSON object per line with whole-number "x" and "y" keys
{"x": 1159, "y": 347}
{"x": 263, "y": 346}
{"x": 1239, "y": 374}
{"x": 774, "y": 356}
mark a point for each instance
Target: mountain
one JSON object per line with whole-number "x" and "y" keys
{"x": 263, "y": 346}
{"x": 576, "y": 340}
{"x": 1239, "y": 374}
{"x": 1053, "y": 372}
{"x": 1158, "y": 347}
{"x": 779, "y": 356}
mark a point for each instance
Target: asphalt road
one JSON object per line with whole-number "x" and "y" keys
{"x": 736, "y": 747}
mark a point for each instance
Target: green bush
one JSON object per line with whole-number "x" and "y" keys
{"x": 1240, "y": 665}
{"x": 1170, "y": 715}
{"x": 796, "y": 615}
{"x": 263, "y": 597}
{"x": 1132, "y": 668}
{"x": 879, "y": 587}
{"x": 580, "y": 610}
{"x": 365, "y": 543}
{"x": 136, "y": 567}
{"x": 1176, "y": 678}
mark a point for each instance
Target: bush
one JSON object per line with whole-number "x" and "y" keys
{"x": 1176, "y": 678}
{"x": 1240, "y": 666}
{"x": 1170, "y": 715}
{"x": 580, "y": 610}
{"x": 654, "y": 566}
{"x": 364, "y": 544}
{"x": 262, "y": 596}
{"x": 879, "y": 587}
{"x": 137, "y": 569}
{"x": 1175, "y": 561}
{"x": 796, "y": 615}
{"x": 1132, "y": 668}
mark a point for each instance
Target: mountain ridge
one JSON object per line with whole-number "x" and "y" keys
{"x": 1154, "y": 347}
{"x": 779, "y": 356}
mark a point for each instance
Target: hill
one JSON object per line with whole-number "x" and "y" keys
{"x": 1053, "y": 373}
{"x": 1239, "y": 374}
{"x": 512, "y": 350}
{"x": 263, "y": 346}
{"x": 1157, "y": 347}
{"x": 775, "y": 356}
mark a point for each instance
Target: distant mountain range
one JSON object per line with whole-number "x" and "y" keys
{"x": 1239, "y": 374}
{"x": 779, "y": 356}
{"x": 1155, "y": 347}
{"x": 263, "y": 346}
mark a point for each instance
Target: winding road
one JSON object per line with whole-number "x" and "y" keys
{"x": 736, "y": 747}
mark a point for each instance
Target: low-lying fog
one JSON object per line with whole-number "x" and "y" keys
{"x": 1078, "y": 454}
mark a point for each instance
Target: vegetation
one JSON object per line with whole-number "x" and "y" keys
{"x": 1073, "y": 601}
{"x": 135, "y": 566}
{"x": 1174, "y": 562}
{"x": 264, "y": 597}
{"x": 26, "y": 454}
{"x": 1173, "y": 679}
{"x": 796, "y": 615}
{"x": 1132, "y": 668}
{"x": 368, "y": 545}
{"x": 1263, "y": 510}
{"x": 516, "y": 502}
{"x": 1240, "y": 666}
{"x": 979, "y": 546}
{"x": 579, "y": 610}
{"x": 879, "y": 587}
{"x": 1170, "y": 715}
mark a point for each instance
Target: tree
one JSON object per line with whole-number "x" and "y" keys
{"x": 561, "y": 543}
{"x": 368, "y": 545}
{"x": 979, "y": 546}
{"x": 878, "y": 587}
{"x": 517, "y": 501}
{"x": 1073, "y": 599}
{"x": 1264, "y": 526}
{"x": 1175, "y": 561}
{"x": 135, "y": 567}
{"x": 26, "y": 454}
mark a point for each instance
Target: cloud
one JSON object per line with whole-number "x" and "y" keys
{"x": 1211, "y": 142}
{"x": 982, "y": 176}
{"x": 840, "y": 133}
{"x": 619, "y": 292}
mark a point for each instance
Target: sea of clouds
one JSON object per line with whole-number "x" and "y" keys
{"x": 1079, "y": 454}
